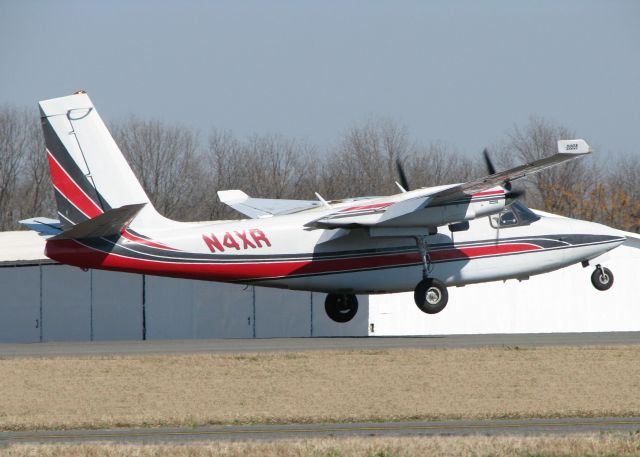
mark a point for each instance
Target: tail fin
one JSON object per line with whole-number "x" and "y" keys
{"x": 89, "y": 173}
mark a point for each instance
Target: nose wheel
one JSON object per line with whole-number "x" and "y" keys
{"x": 431, "y": 295}
{"x": 341, "y": 307}
{"x": 602, "y": 278}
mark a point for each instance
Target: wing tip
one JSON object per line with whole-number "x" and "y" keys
{"x": 574, "y": 147}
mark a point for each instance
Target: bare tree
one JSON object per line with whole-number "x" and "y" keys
{"x": 25, "y": 189}
{"x": 364, "y": 161}
{"x": 36, "y": 186}
{"x": 563, "y": 189}
{"x": 181, "y": 177}
{"x": 437, "y": 164}
{"x": 165, "y": 160}
{"x": 269, "y": 166}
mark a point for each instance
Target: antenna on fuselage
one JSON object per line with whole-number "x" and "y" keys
{"x": 322, "y": 200}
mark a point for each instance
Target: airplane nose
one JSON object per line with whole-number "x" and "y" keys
{"x": 601, "y": 233}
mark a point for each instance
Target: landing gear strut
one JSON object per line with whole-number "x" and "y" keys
{"x": 341, "y": 307}
{"x": 430, "y": 294}
{"x": 602, "y": 278}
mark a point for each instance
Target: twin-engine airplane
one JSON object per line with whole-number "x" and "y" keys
{"x": 423, "y": 240}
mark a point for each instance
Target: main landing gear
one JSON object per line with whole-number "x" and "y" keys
{"x": 341, "y": 307}
{"x": 430, "y": 294}
{"x": 602, "y": 278}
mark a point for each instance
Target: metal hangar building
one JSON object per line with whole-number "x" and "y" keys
{"x": 41, "y": 300}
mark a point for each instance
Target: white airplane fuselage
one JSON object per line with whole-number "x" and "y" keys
{"x": 281, "y": 252}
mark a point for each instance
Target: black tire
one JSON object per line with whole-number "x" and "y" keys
{"x": 341, "y": 307}
{"x": 602, "y": 278}
{"x": 431, "y": 295}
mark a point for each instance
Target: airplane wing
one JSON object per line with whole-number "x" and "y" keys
{"x": 393, "y": 213}
{"x": 263, "y": 207}
{"x": 567, "y": 150}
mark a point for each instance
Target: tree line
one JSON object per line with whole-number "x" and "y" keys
{"x": 181, "y": 170}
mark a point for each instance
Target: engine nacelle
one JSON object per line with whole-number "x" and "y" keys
{"x": 446, "y": 214}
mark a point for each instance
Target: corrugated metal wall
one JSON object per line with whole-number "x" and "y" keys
{"x": 53, "y": 302}
{"x": 60, "y": 303}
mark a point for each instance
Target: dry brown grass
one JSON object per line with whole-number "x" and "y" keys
{"x": 318, "y": 386}
{"x": 477, "y": 446}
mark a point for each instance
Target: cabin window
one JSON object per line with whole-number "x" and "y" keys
{"x": 512, "y": 216}
{"x": 525, "y": 215}
{"x": 505, "y": 218}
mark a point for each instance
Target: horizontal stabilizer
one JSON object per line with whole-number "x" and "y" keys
{"x": 111, "y": 222}
{"x": 45, "y": 226}
{"x": 263, "y": 207}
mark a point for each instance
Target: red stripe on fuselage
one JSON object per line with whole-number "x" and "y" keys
{"x": 71, "y": 190}
{"x": 74, "y": 253}
{"x": 130, "y": 236}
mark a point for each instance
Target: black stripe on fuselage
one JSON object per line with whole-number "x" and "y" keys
{"x": 144, "y": 252}
{"x": 257, "y": 281}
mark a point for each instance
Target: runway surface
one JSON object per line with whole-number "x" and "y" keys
{"x": 276, "y": 432}
{"x": 100, "y": 348}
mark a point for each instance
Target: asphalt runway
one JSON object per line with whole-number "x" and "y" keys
{"x": 302, "y": 431}
{"x": 100, "y": 348}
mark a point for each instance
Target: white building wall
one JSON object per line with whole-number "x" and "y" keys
{"x": 66, "y": 303}
{"x": 116, "y": 306}
{"x": 282, "y": 312}
{"x": 222, "y": 310}
{"x": 561, "y": 301}
{"x": 323, "y": 326}
{"x": 183, "y": 309}
{"x": 20, "y": 304}
{"x": 51, "y": 302}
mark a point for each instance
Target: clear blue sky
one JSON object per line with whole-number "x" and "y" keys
{"x": 461, "y": 72}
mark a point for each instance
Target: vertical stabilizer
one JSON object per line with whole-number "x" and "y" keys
{"x": 89, "y": 173}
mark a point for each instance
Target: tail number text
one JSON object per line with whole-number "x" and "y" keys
{"x": 238, "y": 240}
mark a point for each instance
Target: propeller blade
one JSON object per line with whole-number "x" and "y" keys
{"x": 487, "y": 161}
{"x": 491, "y": 169}
{"x": 403, "y": 178}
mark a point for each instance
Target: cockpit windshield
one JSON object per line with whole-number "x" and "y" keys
{"x": 513, "y": 215}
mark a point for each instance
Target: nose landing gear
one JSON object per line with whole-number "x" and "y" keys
{"x": 602, "y": 278}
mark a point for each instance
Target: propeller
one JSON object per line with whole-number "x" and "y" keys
{"x": 403, "y": 177}
{"x": 487, "y": 161}
{"x": 511, "y": 194}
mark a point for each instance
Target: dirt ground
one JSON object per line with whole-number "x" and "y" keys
{"x": 96, "y": 392}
